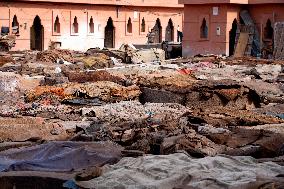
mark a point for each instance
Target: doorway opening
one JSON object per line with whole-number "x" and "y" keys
{"x": 268, "y": 42}
{"x": 268, "y": 31}
{"x": 109, "y": 34}
{"x": 170, "y": 31}
{"x": 37, "y": 35}
{"x": 157, "y": 32}
{"x": 232, "y": 40}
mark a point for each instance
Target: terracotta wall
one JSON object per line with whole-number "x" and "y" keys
{"x": 219, "y": 44}
{"x": 261, "y": 13}
{"x": 200, "y": 2}
{"x": 148, "y": 3}
{"x": 216, "y": 42}
{"x": 26, "y": 13}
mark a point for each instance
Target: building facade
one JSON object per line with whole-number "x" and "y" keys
{"x": 84, "y": 24}
{"x": 210, "y": 26}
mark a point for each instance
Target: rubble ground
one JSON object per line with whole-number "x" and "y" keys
{"x": 129, "y": 118}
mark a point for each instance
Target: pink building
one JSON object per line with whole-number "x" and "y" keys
{"x": 83, "y": 24}
{"x": 210, "y": 26}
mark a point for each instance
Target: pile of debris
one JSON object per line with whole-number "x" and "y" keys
{"x": 7, "y": 42}
{"x": 138, "y": 56}
{"x": 97, "y": 61}
{"x": 105, "y": 91}
{"x": 55, "y": 55}
{"x": 98, "y": 108}
{"x": 5, "y": 58}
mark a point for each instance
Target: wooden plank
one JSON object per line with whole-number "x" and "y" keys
{"x": 241, "y": 45}
{"x": 245, "y": 15}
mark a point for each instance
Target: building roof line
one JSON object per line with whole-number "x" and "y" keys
{"x": 137, "y": 3}
{"x": 244, "y": 2}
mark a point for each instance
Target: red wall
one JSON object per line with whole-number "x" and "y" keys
{"x": 219, "y": 44}
{"x": 261, "y": 13}
{"x": 192, "y": 43}
{"x": 47, "y": 12}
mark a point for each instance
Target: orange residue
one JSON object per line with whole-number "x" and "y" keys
{"x": 40, "y": 90}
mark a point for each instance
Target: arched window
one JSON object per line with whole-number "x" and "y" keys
{"x": 91, "y": 25}
{"x": 75, "y": 26}
{"x": 143, "y": 25}
{"x": 15, "y": 25}
{"x": 129, "y": 26}
{"x": 56, "y": 25}
{"x": 268, "y": 30}
{"x": 204, "y": 29}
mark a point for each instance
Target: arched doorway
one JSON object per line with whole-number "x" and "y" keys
{"x": 157, "y": 32}
{"x": 268, "y": 31}
{"x": 37, "y": 35}
{"x": 232, "y": 35}
{"x": 170, "y": 31}
{"x": 109, "y": 34}
{"x": 268, "y": 42}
